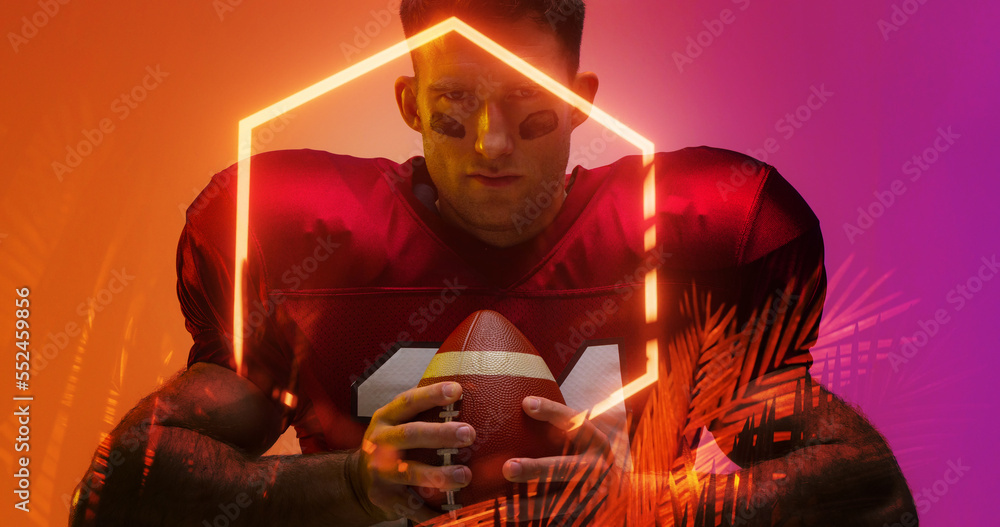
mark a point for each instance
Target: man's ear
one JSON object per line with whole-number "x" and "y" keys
{"x": 406, "y": 99}
{"x": 585, "y": 85}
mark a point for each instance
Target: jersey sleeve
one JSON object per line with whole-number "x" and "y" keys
{"x": 782, "y": 278}
{"x": 205, "y": 278}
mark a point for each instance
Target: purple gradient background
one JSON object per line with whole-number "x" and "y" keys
{"x": 939, "y": 70}
{"x": 120, "y": 208}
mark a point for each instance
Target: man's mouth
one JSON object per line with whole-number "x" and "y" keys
{"x": 495, "y": 180}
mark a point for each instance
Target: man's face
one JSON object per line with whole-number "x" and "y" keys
{"x": 495, "y": 142}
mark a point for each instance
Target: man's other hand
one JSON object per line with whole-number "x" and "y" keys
{"x": 591, "y": 459}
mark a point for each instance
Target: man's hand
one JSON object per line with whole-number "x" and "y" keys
{"x": 591, "y": 456}
{"x": 385, "y": 478}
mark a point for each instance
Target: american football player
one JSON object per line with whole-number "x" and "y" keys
{"x": 359, "y": 268}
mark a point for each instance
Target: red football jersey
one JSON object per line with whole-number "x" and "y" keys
{"x": 354, "y": 281}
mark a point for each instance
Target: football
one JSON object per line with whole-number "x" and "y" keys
{"x": 497, "y": 367}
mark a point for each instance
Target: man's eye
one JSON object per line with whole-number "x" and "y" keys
{"x": 455, "y": 95}
{"x": 525, "y": 93}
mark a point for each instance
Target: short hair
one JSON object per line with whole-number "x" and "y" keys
{"x": 564, "y": 17}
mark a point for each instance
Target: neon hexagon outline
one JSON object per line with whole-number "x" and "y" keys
{"x": 645, "y": 146}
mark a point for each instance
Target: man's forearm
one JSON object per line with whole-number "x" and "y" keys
{"x": 182, "y": 477}
{"x": 826, "y": 484}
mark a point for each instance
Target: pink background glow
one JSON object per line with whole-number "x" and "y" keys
{"x": 120, "y": 210}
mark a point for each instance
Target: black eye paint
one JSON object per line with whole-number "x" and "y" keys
{"x": 539, "y": 124}
{"x": 448, "y": 126}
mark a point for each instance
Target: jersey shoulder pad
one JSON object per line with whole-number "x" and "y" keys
{"x": 287, "y": 182}
{"x": 302, "y": 203}
{"x": 720, "y": 208}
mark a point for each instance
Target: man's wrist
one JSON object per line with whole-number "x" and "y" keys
{"x": 353, "y": 476}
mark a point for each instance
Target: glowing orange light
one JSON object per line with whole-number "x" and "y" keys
{"x": 651, "y": 296}
{"x": 649, "y": 241}
{"x": 289, "y": 399}
{"x": 648, "y": 378}
{"x": 247, "y": 125}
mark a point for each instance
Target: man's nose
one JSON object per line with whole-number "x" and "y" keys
{"x": 493, "y": 138}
